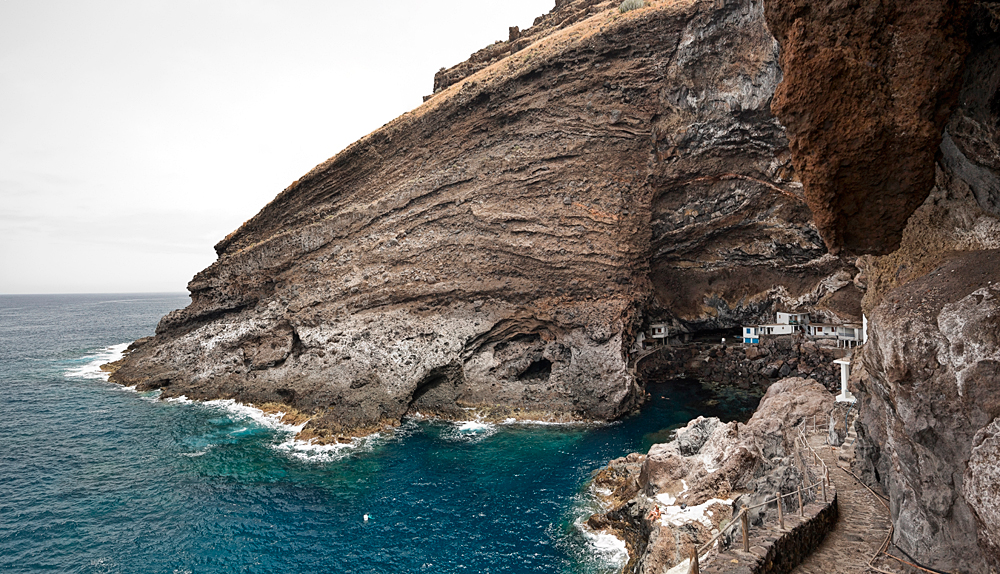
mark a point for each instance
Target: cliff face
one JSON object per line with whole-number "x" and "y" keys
{"x": 930, "y": 412}
{"x": 929, "y": 380}
{"x": 868, "y": 89}
{"x": 498, "y": 248}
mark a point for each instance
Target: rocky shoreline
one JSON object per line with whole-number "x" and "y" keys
{"x": 675, "y": 497}
{"x": 501, "y": 246}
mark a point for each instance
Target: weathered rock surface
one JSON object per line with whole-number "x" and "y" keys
{"x": 710, "y": 468}
{"x": 867, "y": 92}
{"x": 498, "y": 248}
{"x": 930, "y": 408}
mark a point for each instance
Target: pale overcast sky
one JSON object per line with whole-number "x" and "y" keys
{"x": 135, "y": 134}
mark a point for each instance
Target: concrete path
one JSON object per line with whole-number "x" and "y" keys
{"x": 863, "y": 523}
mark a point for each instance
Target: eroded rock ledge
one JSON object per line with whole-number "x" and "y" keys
{"x": 868, "y": 89}
{"x": 497, "y": 249}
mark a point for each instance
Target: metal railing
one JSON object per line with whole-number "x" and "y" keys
{"x": 743, "y": 516}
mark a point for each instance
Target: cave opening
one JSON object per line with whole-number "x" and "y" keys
{"x": 537, "y": 370}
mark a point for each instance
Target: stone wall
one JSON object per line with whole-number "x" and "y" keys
{"x": 775, "y": 553}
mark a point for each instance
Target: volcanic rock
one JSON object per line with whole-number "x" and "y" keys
{"x": 709, "y": 466}
{"x": 867, "y": 91}
{"x": 930, "y": 411}
{"x": 495, "y": 251}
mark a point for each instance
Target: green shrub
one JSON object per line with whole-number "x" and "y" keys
{"x": 631, "y": 5}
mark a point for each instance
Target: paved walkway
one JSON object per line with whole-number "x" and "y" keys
{"x": 862, "y": 526}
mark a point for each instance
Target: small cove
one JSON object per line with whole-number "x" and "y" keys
{"x": 94, "y": 478}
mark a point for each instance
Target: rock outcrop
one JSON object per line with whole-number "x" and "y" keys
{"x": 498, "y": 248}
{"x": 930, "y": 411}
{"x": 928, "y": 379}
{"x": 565, "y": 14}
{"x": 708, "y": 469}
{"x": 867, "y": 92}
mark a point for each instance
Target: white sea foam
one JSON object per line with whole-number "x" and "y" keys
{"x": 194, "y": 454}
{"x": 608, "y": 547}
{"x": 92, "y": 368}
{"x": 269, "y": 420}
{"x": 182, "y": 399}
{"x": 469, "y": 431}
{"x": 530, "y": 422}
{"x": 312, "y": 452}
{"x": 474, "y": 426}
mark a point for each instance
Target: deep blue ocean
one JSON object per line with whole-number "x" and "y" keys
{"x": 98, "y": 479}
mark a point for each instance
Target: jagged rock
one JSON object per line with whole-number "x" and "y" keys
{"x": 498, "y": 248}
{"x": 928, "y": 405}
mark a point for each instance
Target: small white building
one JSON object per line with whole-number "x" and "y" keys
{"x": 849, "y": 336}
{"x": 658, "y": 331}
{"x": 751, "y": 335}
{"x": 777, "y": 329}
{"x": 821, "y": 330}
{"x": 799, "y": 319}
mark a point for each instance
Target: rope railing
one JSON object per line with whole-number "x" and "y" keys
{"x": 743, "y": 517}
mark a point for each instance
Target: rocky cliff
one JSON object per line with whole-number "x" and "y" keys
{"x": 929, "y": 380}
{"x": 868, "y": 89}
{"x": 498, "y": 248}
{"x": 893, "y": 117}
{"x": 930, "y": 411}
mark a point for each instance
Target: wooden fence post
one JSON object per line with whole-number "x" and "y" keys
{"x": 823, "y": 486}
{"x": 694, "y": 561}
{"x": 798, "y": 491}
{"x": 781, "y": 513}
{"x": 745, "y": 523}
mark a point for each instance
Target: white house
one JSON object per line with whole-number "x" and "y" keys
{"x": 800, "y": 319}
{"x": 821, "y": 330}
{"x": 751, "y": 335}
{"x": 849, "y": 336}
{"x": 777, "y": 329}
{"x": 658, "y": 331}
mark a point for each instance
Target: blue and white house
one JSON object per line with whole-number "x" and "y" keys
{"x": 777, "y": 329}
{"x": 751, "y": 335}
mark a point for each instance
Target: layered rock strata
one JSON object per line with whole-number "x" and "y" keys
{"x": 497, "y": 249}
{"x": 707, "y": 470}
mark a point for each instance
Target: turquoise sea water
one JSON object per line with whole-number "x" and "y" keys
{"x": 98, "y": 479}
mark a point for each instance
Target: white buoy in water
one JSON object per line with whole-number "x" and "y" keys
{"x": 366, "y": 518}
